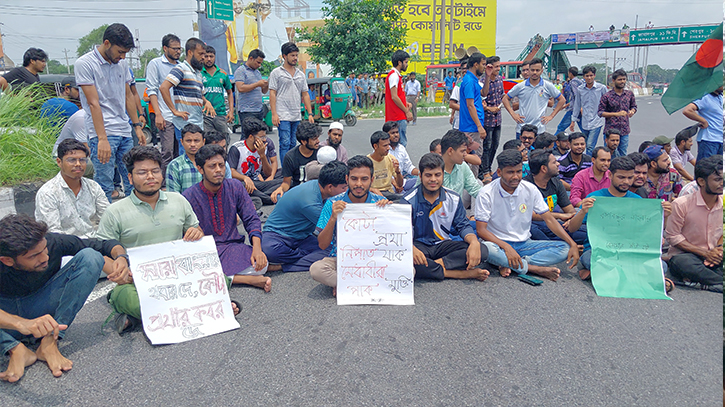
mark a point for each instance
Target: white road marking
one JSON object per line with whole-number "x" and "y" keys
{"x": 100, "y": 292}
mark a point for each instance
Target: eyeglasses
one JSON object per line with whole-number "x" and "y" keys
{"x": 175, "y": 48}
{"x": 143, "y": 173}
{"x": 75, "y": 161}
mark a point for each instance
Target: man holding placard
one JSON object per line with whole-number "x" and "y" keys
{"x": 359, "y": 179}
{"x": 217, "y": 203}
{"x": 622, "y": 175}
{"x": 147, "y": 216}
{"x": 438, "y": 213}
{"x": 504, "y": 210}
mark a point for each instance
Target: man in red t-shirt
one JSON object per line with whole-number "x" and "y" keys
{"x": 396, "y": 107}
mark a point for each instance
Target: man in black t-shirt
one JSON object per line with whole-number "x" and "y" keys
{"x": 544, "y": 174}
{"x": 38, "y": 297}
{"x": 293, "y": 166}
{"x": 34, "y": 61}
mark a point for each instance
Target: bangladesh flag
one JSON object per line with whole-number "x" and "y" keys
{"x": 700, "y": 75}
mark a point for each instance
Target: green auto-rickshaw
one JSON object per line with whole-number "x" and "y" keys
{"x": 331, "y": 100}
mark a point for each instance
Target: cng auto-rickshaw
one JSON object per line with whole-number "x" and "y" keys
{"x": 331, "y": 100}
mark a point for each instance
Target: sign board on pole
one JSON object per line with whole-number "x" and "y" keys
{"x": 220, "y": 10}
{"x": 654, "y": 36}
{"x": 182, "y": 290}
{"x": 375, "y": 255}
{"x": 700, "y": 33}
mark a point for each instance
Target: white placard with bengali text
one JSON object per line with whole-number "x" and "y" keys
{"x": 182, "y": 289}
{"x": 375, "y": 255}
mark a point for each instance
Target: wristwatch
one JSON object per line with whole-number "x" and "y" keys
{"x": 125, "y": 256}
{"x": 136, "y": 124}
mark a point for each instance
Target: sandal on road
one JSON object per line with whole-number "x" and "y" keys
{"x": 239, "y": 307}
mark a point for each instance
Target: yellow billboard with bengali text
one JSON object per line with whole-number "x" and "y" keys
{"x": 474, "y": 24}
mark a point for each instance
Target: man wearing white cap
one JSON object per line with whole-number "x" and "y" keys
{"x": 334, "y": 140}
{"x": 324, "y": 155}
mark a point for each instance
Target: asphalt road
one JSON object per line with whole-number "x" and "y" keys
{"x": 464, "y": 343}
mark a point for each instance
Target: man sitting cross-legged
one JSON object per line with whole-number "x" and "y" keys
{"x": 38, "y": 297}
{"x": 148, "y": 216}
{"x": 217, "y": 202}
{"x": 545, "y": 176}
{"x": 250, "y": 163}
{"x": 694, "y": 229}
{"x": 622, "y": 175}
{"x": 288, "y": 237}
{"x": 359, "y": 179}
{"x": 504, "y": 211}
{"x": 438, "y": 214}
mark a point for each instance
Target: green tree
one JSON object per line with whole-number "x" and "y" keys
{"x": 95, "y": 37}
{"x": 145, "y": 58}
{"x": 358, "y": 35}
{"x": 56, "y": 67}
{"x": 266, "y": 68}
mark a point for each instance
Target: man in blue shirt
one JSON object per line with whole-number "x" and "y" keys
{"x": 622, "y": 175}
{"x": 707, "y": 111}
{"x": 438, "y": 214}
{"x": 471, "y": 113}
{"x": 359, "y": 180}
{"x": 570, "y": 87}
{"x": 59, "y": 110}
{"x": 450, "y": 81}
{"x": 289, "y": 237}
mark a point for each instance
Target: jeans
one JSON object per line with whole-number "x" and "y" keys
{"x": 177, "y": 135}
{"x": 104, "y": 172}
{"x": 403, "y": 131}
{"x": 692, "y": 267}
{"x": 623, "y": 144}
{"x": 539, "y": 231}
{"x": 707, "y": 149}
{"x": 566, "y": 122}
{"x": 490, "y": 145}
{"x": 61, "y": 297}
{"x": 287, "y": 132}
{"x": 293, "y": 254}
{"x": 592, "y": 138}
{"x": 533, "y": 252}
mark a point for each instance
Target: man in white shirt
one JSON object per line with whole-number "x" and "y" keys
{"x": 69, "y": 203}
{"x": 412, "y": 95}
{"x": 504, "y": 210}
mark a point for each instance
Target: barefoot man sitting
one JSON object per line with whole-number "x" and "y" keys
{"x": 503, "y": 220}
{"x": 217, "y": 202}
{"x": 38, "y": 297}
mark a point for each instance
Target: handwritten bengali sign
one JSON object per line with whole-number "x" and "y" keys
{"x": 375, "y": 255}
{"x": 182, "y": 289}
{"x": 626, "y": 236}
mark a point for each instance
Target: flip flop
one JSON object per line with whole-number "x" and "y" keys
{"x": 669, "y": 285}
{"x": 239, "y": 307}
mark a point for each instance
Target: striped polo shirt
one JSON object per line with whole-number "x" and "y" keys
{"x": 188, "y": 87}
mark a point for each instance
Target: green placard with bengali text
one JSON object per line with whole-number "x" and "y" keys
{"x": 626, "y": 237}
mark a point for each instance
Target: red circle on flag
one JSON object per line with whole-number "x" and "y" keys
{"x": 710, "y": 53}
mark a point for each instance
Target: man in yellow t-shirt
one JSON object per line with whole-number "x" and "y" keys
{"x": 387, "y": 178}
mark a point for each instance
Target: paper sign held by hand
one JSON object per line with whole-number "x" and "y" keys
{"x": 182, "y": 289}
{"x": 375, "y": 255}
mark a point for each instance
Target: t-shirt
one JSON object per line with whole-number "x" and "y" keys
{"x": 58, "y": 110}
{"x": 568, "y": 168}
{"x": 509, "y": 215}
{"x": 215, "y": 89}
{"x": 533, "y": 101}
{"x": 20, "y": 77}
{"x": 188, "y": 88}
{"x": 244, "y": 160}
{"x": 554, "y": 194}
{"x": 289, "y": 93}
{"x": 383, "y": 172}
{"x": 296, "y": 212}
{"x": 75, "y": 128}
{"x": 680, "y": 158}
{"x": 392, "y": 111}
{"x": 294, "y": 165}
{"x": 455, "y": 95}
{"x": 710, "y": 108}
{"x": 326, "y": 214}
{"x": 248, "y": 101}
{"x": 470, "y": 89}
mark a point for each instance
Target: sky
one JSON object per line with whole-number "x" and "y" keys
{"x": 55, "y": 25}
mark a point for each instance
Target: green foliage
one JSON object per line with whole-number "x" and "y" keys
{"x": 55, "y": 67}
{"x": 358, "y": 35}
{"x": 95, "y": 37}
{"x": 26, "y": 140}
{"x": 145, "y": 58}
{"x": 657, "y": 74}
{"x": 266, "y": 68}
